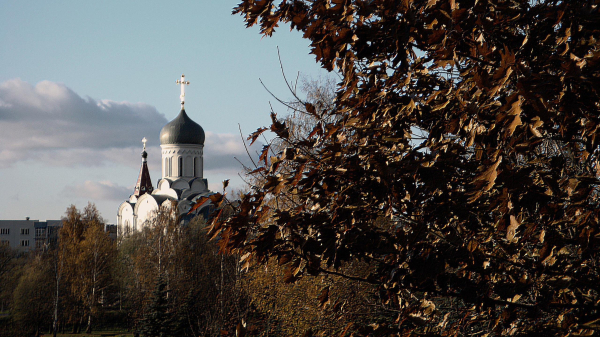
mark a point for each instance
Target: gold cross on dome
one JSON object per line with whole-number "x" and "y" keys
{"x": 144, "y": 140}
{"x": 183, "y": 83}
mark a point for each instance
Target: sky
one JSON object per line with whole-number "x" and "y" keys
{"x": 82, "y": 82}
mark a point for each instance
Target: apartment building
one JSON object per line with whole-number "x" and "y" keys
{"x": 27, "y": 235}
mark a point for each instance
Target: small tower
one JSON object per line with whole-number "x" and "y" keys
{"x": 182, "y": 144}
{"x": 144, "y": 184}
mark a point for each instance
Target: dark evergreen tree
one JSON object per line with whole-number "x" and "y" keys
{"x": 181, "y": 325}
{"x": 157, "y": 321}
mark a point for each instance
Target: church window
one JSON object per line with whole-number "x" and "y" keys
{"x": 196, "y": 167}
{"x": 180, "y": 166}
{"x": 170, "y": 167}
{"x": 166, "y": 167}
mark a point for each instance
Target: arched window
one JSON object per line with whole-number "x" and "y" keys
{"x": 166, "y": 172}
{"x": 180, "y": 167}
{"x": 170, "y": 167}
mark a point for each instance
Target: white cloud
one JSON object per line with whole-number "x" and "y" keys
{"x": 52, "y": 123}
{"x": 102, "y": 190}
{"x": 223, "y": 151}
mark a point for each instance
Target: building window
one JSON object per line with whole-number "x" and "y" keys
{"x": 188, "y": 169}
{"x": 170, "y": 167}
{"x": 24, "y": 231}
{"x": 24, "y": 243}
{"x": 180, "y": 166}
{"x": 40, "y": 232}
{"x": 4, "y": 230}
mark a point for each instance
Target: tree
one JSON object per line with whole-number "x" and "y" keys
{"x": 65, "y": 268}
{"x": 32, "y": 306}
{"x": 295, "y": 309}
{"x": 158, "y": 321}
{"x": 7, "y": 264}
{"x": 326, "y": 305}
{"x": 6, "y": 256}
{"x": 202, "y": 286}
{"x": 493, "y": 218}
{"x": 87, "y": 254}
{"x": 55, "y": 260}
{"x": 98, "y": 255}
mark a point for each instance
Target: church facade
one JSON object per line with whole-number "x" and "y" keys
{"x": 182, "y": 182}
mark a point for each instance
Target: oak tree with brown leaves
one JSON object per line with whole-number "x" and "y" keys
{"x": 493, "y": 220}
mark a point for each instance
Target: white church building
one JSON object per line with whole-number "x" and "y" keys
{"x": 182, "y": 182}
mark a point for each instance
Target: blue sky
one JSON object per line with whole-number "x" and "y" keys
{"x": 81, "y": 82}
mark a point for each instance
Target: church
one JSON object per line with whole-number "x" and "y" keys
{"x": 182, "y": 182}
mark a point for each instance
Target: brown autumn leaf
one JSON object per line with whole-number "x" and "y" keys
{"x": 472, "y": 246}
{"x": 324, "y": 297}
{"x": 310, "y": 108}
{"x": 199, "y": 203}
{"x": 265, "y": 154}
{"x": 278, "y": 127}
{"x": 254, "y": 136}
{"x": 516, "y": 121}
{"x": 511, "y": 230}
{"x": 487, "y": 178}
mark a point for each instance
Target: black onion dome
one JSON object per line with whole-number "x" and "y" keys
{"x": 182, "y": 130}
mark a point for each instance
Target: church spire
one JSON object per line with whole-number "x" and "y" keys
{"x": 144, "y": 184}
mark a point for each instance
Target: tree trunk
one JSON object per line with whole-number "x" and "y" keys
{"x": 58, "y": 267}
{"x": 79, "y": 324}
{"x": 89, "y": 324}
{"x": 222, "y": 309}
{"x": 93, "y": 296}
{"x": 55, "y": 321}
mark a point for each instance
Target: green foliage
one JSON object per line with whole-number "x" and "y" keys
{"x": 493, "y": 215}
{"x": 159, "y": 318}
{"x": 7, "y": 268}
{"x": 31, "y": 307}
{"x": 6, "y": 257}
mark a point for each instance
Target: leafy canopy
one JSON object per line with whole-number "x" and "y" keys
{"x": 494, "y": 215}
